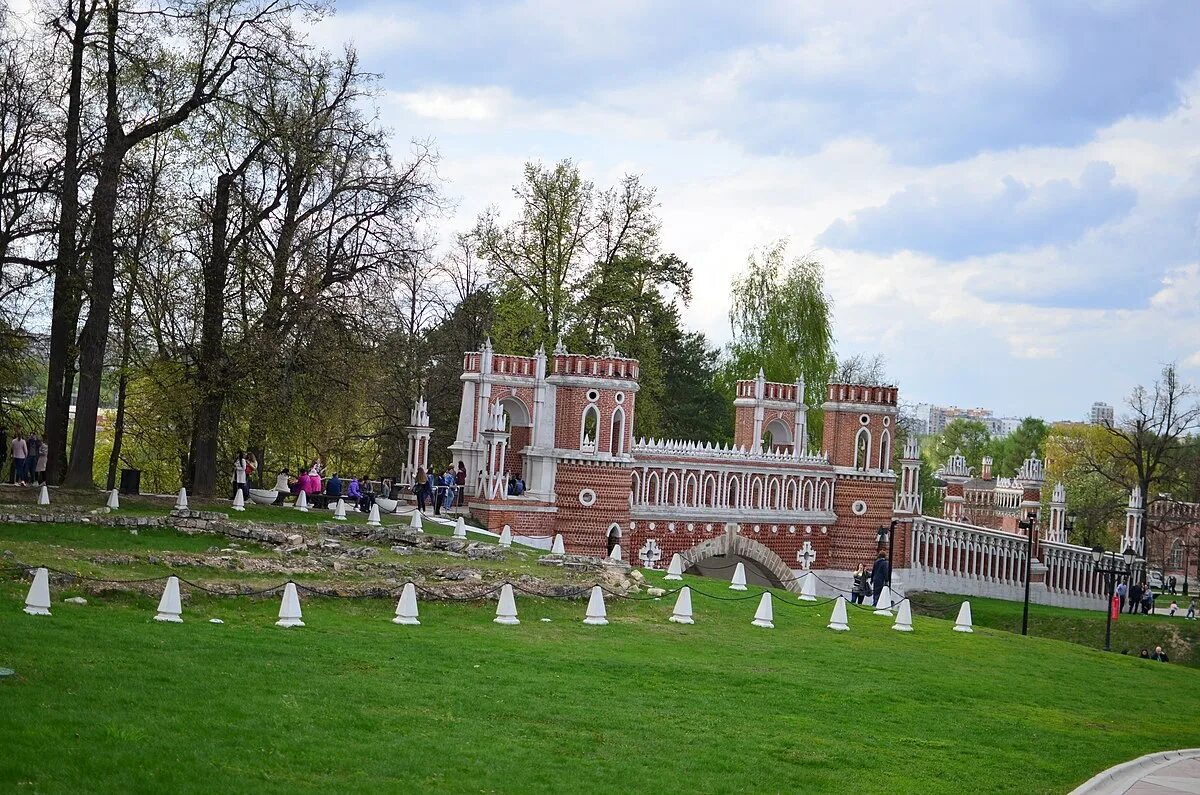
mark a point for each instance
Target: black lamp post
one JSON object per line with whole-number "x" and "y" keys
{"x": 1111, "y": 571}
{"x": 1030, "y": 524}
{"x": 888, "y": 532}
{"x": 1069, "y": 526}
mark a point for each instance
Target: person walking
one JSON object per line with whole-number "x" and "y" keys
{"x": 19, "y": 450}
{"x": 33, "y": 446}
{"x": 861, "y": 585}
{"x": 1174, "y": 608}
{"x": 420, "y": 484}
{"x": 239, "y": 477}
{"x": 1191, "y": 613}
{"x": 879, "y": 576}
{"x": 1122, "y": 589}
{"x": 39, "y": 468}
{"x": 460, "y": 484}
{"x": 1135, "y": 597}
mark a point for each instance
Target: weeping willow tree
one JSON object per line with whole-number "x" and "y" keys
{"x": 781, "y": 320}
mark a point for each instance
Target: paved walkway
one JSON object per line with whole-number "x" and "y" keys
{"x": 1154, "y": 774}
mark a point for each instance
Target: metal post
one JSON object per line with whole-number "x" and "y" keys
{"x": 1112, "y": 587}
{"x": 1028, "y": 566}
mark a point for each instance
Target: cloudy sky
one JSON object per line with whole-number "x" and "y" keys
{"x": 1005, "y": 196}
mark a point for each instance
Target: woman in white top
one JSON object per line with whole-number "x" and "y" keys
{"x": 239, "y": 477}
{"x": 282, "y": 488}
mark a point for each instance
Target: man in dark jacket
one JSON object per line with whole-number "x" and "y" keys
{"x": 879, "y": 575}
{"x": 1135, "y": 597}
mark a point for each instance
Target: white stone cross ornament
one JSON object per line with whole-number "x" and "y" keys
{"x": 806, "y": 556}
{"x": 649, "y": 553}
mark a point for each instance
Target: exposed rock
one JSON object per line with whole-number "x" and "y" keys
{"x": 76, "y": 600}
{"x": 656, "y": 592}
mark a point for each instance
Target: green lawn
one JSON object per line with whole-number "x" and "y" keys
{"x": 108, "y": 700}
{"x": 1133, "y": 633}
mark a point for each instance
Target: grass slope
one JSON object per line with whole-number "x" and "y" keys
{"x": 106, "y": 700}
{"x": 1180, "y": 638}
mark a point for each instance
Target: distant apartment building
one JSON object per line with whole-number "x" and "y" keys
{"x": 927, "y": 418}
{"x": 1101, "y": 414}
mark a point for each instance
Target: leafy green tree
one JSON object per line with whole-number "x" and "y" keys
{"x": 1009, "y": 452}
{"x": 780, "y": 320}
{"x": 968, "y": 437}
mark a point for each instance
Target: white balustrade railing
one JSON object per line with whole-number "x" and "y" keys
{"x": 1070, "y": 571}
{"x": 944, "y": 548}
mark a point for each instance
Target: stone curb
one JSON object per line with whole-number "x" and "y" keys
{"x": 1118, "y": 779}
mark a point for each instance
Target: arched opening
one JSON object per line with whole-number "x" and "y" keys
{"x": 773, "y": 492}
{"x": 810, "y": 496}
{"x": 756, "y": 493}
{"x": 616, "y": 439}
{"x": 635, "y": 487}
{"x": 613, "y": 537}
{"x": 791, "y": 495}
{"x": 589, "y": 429}
{"x": 826, "y": 503}
{"x": 671, "y": 489}
{"x": 721, "y": 567}
{"x": 710, "y": 491}
{"x": 690, "y": 489}
{"x": 885, "y": 451}
{"x": 733, "y": 493}
{"x": 776, "y": 434}
{"x": 862, "y": 449}
{"x": 652, "y": 495}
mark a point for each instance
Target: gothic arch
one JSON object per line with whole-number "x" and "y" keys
{"x": 589, "y": 442}
{"x": 862, "y": 449}
{"x": 671, "y": 489}
{"x": 616, "y": 436}
{"x": 885, "y": 451}
{"x": 773, "y": 494}
{"x": 756, "y": 493}
{"x": 652, "y": 484}
{"x": 791, "y": 495}
{"x": 691, "y": 490}
{"x": 733, "y": 492}
{"x": 730, "y": 544}
{"x": 826, "y": 503}
{"x": 635, "y": 487}
{"x": 780, "y": 433}
{"x": 810, "y": 497}
{"x": 518, "y": 413}
{"x": 709, "y": 497}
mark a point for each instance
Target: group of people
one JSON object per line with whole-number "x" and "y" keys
{"x": 28, "y": 455}
{"x": 1159, "y": 655}
{"x": 441, "y": 491}
{"x": 1139, "y": 597}
{"x": 870, "y": 579}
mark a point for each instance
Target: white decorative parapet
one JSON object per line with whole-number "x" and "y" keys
{"x": 1070, "y": 571}
{"x": 686, "y": 449}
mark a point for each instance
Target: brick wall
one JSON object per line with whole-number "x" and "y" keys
{"x": 855, "y": 535}
{"x": 585, "y": 528}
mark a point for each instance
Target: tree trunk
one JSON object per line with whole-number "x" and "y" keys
{"x": 210, "y": 367}
{"x": 94, "y": 338}
{"x": 64, "y": 317}
{"x": 114, "y": 457}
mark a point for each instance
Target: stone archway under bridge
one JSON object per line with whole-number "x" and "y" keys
{"x": 717, "y": 558}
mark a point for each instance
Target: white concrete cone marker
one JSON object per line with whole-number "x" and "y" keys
{"x": 765, "y": 617}
{"x": 506, "y": 609}
{"x": 302, "y": 501}
{"x": 883, "y": 605}
{"x": 181, "y": 500}
{"x": 963, "y": 622}
{"x": 808, "y": 587}
{"x": 414, "y": 522}
{"x": 903, "y": 618}
{"x": 460, "y": 528}
{"x": 37, "y": 603}
{"x": 373, "y": 517}
{"x": 406, "y": 608}
{"x": 837, "y": 621}
{"x": 682, "y": 614}
{"x": 617, "y": 553}
{"x": 597, "y": 616}
{"x": 557, "y": 547}
{"x": 239, "y": 501}
{"x": 339, "y": 510}
{"x": 739, "y": 578}
{"x": 675, "y": 570}
{"x": 114, "y": 502}
{"x": 506, "y": 536}
{"x": 289, "y": 608}
{"x": 169, "y": 607}
{"x": 44, "y": 496}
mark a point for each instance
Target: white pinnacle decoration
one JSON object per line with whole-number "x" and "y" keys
{"x": 37, "y": 603}
{"x": 414, "y": 522}
{"x": 506, "y": 536}
{"x": 883, "y": 605}
{"x": 169, "y": 607}
{"x": 765, "y": 616}
{"x": 682, "y": 614}
{"x": 616, "y": 553}
{"x": 506, "y": 609}
{"x": 302, "y": 502}
{"x": 837, "y": 621}
{"x": 903, "y": 618}
{"x": 373, "y": 517}
{"x": 239, "y": 501}
{"x": 339, "y": 510}
{"x": 963, "y": 622}
{"x": 808, "y": 587}
{"x": 675, "y": 570}
{"x": 44, "y": 496}
{"x": 114, "y": 502}
{"x": 181, "y": 500}
{"x": 460, "y": 528}
{"x": 739, "y": 578}
{"x": 557, "y": 547}
{"x": 289, "y": 608}
{"x": 406, "y": 608}
{"x": 597, "y": 616}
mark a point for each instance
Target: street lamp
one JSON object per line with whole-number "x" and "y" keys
{"x": 1069, "y": 526}
{"x": 1111, "y": 570}
{"x": 887, "y": 532}
{"x": 1030, "y": 524}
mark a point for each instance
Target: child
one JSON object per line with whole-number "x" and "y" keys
{"x": 1191, "y": 613}
{"x": 1174, "y": 608}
